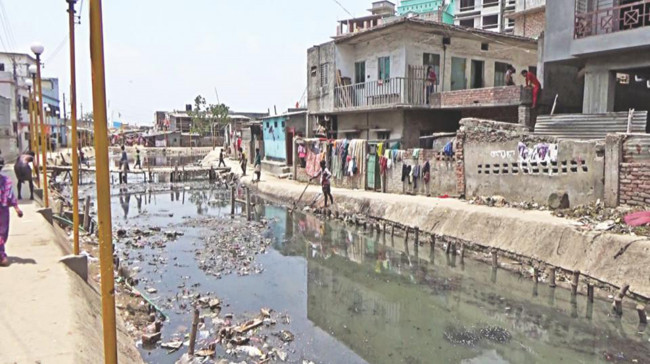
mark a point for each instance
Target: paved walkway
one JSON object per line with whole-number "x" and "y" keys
{"x": 35, "y": 307}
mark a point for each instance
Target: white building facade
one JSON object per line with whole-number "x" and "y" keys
{"x": 489, "y": 15}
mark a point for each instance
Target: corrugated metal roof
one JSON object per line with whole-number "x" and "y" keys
{"x": 636, "y": 149}
{"x": 589, "y": 126}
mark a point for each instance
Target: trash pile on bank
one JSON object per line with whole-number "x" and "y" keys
{"x": 605, "y": 219}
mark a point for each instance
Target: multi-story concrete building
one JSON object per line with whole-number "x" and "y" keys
{"x": 596, "y": 54}
{"x": 14, "y": 71}
{"x": 492, "y": 15}
{"x": 529, "y": 17}
{"x": 373, "y": 84}
{"x": 440, "y": 10}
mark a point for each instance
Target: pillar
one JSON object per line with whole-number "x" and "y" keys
{"x": 613, "y": 159}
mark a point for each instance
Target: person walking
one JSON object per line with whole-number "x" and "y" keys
{"x": 532, "y": 81}
{"x": 325, "y": 176}
{"x": 138, "y": 162}
{"x": 221, "y": 161}
{"x": 7, "y": 200}
{"x": 258, "y": 165}
{"x": 243, "y": 162}
{"x": 124, "y": 166}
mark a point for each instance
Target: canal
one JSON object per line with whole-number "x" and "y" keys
{"x": 348, "y": 295}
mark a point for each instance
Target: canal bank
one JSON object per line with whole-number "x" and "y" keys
{"x": 532, "y": 235}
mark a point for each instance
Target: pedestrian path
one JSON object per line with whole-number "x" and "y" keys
{"x": 36, "y": 314}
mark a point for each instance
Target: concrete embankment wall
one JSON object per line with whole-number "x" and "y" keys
{"x": 615, "y": 259}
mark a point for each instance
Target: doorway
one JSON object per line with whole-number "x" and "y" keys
{"x": 291, "y": 133}
{"x": 458, "y": 77}
{"x": 478, "y": 68}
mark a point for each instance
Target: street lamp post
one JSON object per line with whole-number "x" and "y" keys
{"x": 38, "y": 49}
{"x": 36, "y": 134}
{"x": 73, "y": 119}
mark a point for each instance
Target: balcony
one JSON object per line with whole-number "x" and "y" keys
{"x": 611, "y": 19}
{"x": 397, "y": 91}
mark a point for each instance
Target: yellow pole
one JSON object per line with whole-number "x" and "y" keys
{"x": 37, "y": 158}
{"x": 31, "y": 120}
{"x": 46, "y": 197}
{"x": 73, "y": 117}
{"x": 103, "y": 182}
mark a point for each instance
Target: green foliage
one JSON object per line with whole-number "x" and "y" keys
{"x": 207, "y": 116}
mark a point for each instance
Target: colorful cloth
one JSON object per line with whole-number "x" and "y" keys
{"x": 7, "y": 200}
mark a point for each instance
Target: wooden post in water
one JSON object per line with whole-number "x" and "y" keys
{"x": 406, "y": 238}
{"x": 643, "y": 318}
{"x": 535, "y": 275}
{"x": 574, "y": 283}
{"x": 417, "y": 235}
{"x": 618, "y": 300}
{"x": 248, "y": 204}
{"x": 590, "y": 292}
{"x": 232, "y": 201}
{"x": 462, "y": 253}
{"x": 195, "y": 324}
{"x": 495, "y": 259}
{"x": 551, "y": 277}
{"x": 392, "y": 230}
{"x": 87, "y": 214}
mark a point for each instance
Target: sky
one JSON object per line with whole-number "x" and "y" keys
{"x": 161, "y": 54}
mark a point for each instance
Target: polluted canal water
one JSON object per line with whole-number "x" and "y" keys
{"x": 298, "y": 288}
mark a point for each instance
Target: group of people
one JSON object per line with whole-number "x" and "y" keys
{"x": 529, "y": 78}
{"x": 124, "y": 164}
{"x": 243, "y": 162}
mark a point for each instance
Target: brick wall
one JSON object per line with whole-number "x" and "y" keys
{"x": 489, "y": 96}
{"x": 531, "y": 25}
{"x": 634, "y": 184}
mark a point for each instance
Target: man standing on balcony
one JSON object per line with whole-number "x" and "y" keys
{"x": 432, "y": 81}
{"x": 532, "y": 81}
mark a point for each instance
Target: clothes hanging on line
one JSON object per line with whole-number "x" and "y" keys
{"x": 426, "y": 172}
{"x": 406, "y": 172}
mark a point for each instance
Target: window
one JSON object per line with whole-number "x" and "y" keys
{"x": 353, "y": 135}
{"x": 2, "y": 67}
{"x": 478, "y": 68}
{"x": 313, "y": 71}
{"x": 467, "y": 5}
{"x": 491, "y": 21}
{"x": 324, "y": 74}
{"x": 489, "y": 3}
{"x": 360, "y": 72}
{"x": 511, "y": 22}
{"x": 485, "y": 46}
{"x": 383, "y": 135}
{"x": 468, "y": 23}
{"x": 500, "y": 70}
{"x": 383, "y": 68}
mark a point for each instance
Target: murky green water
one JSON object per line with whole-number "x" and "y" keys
{"x": 356, "y": 297}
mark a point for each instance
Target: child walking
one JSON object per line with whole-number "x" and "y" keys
{"x": 7, "y": 200}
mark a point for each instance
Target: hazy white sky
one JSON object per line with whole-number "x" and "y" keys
{"x": 160, "y": 54}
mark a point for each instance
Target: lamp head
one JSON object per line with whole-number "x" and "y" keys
{"x": 33, "y": 69}
{"x": 38, "y": 49}
{"x": 29, "y": 83}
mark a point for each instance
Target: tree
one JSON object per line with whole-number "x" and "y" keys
{"x": 206, "y": 118}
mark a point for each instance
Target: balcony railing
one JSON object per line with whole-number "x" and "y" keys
{"x": 391, "y": 92}
{"x": 612, "y": 19}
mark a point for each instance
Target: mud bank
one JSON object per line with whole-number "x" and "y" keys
{"x": 536, "y": 235}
